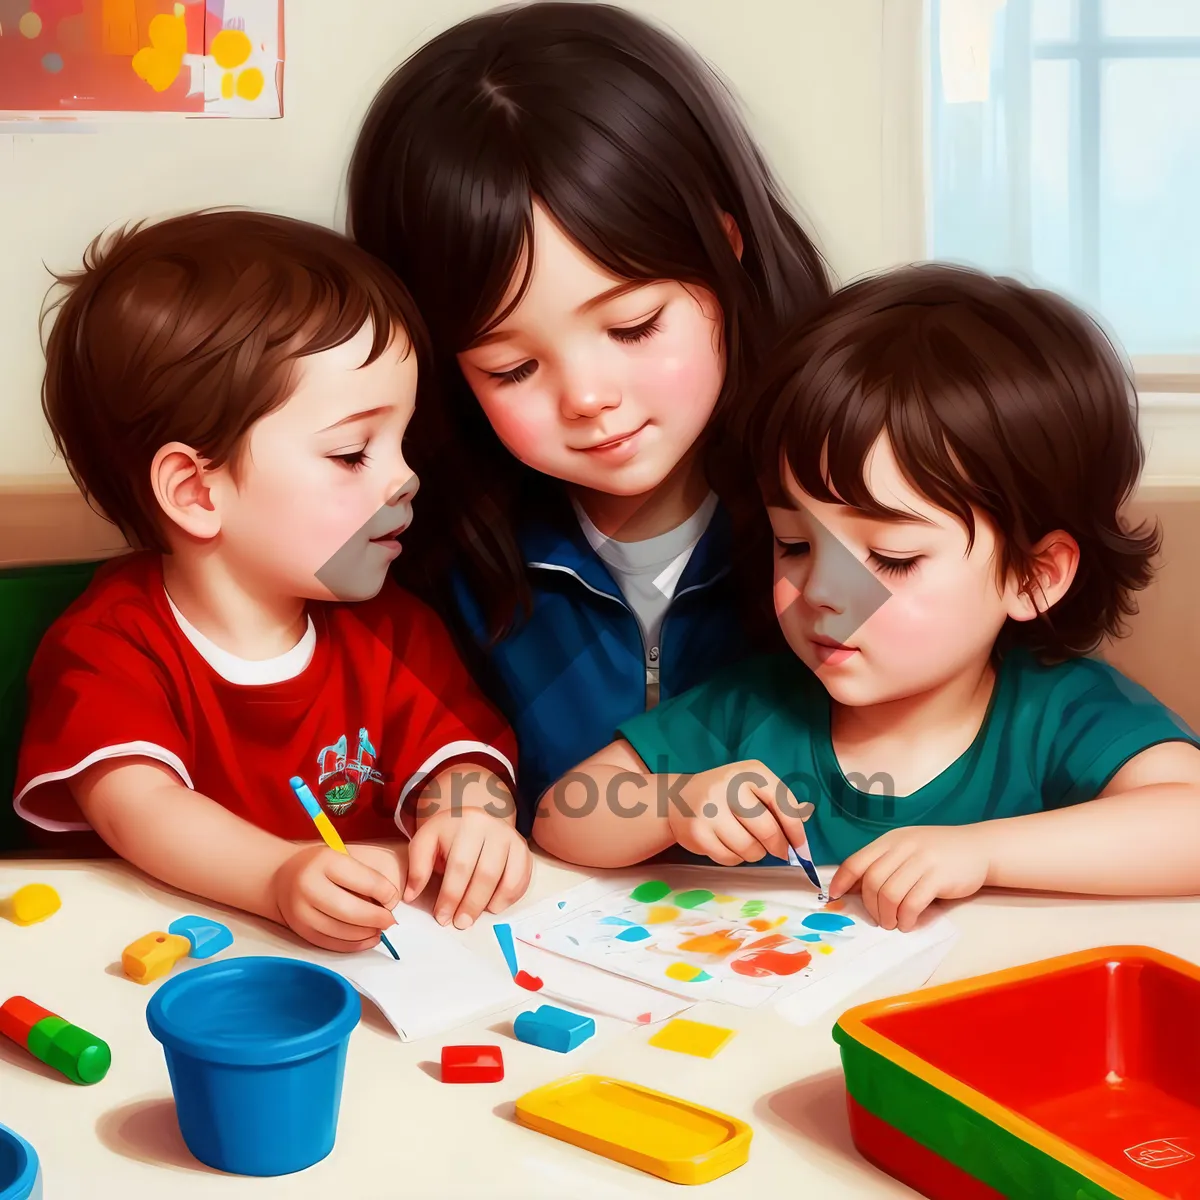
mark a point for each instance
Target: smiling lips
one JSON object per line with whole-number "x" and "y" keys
{"x": 613, "y": 443}
{"x": 830, "y": 651}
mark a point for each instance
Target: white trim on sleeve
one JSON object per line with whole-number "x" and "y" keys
{"x": 123, "y": 750}
{"x": 430, "y": 765}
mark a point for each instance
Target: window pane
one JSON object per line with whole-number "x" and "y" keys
{"x": 1149, "y": 215}
{"x": 1150, "y": 18}
{"x": 1053, "y": 163}
{"x": 1053, "y": 20}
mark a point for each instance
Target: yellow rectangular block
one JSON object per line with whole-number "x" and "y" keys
{"x": 692, "y": 1037}
{"x": 154, "y": 955}
{"x": 651, "y": 1131}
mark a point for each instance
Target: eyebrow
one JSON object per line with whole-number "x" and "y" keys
{"x": 612, "y": 293}
{"x": 358, "y": 416}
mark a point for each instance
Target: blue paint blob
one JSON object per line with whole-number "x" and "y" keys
{"x": 614, "y": 921}
{"x": 52, "y": 63}
{"x": 634, "y": 933}
{"x": 807, "y": 937}
{"x": 832, "y": 922}
{"x": 562, "y": 904}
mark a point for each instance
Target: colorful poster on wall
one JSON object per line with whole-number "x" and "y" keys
{"x": 213, "y": 58}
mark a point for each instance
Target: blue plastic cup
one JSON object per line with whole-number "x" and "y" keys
{"x": 256, "y": 1051}
{"x": 20, "y": 1171}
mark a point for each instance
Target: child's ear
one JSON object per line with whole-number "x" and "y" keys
{"x": 1052, "y": 570}
{"x": 180, "y": 479}
{"x": 733, "y": 233}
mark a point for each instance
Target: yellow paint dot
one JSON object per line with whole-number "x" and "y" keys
{"x": 724, "y": 899}
{"x": 230, "y": 48}
{"x": 825, "y": 949}
{"x": 227, "y": 86}
{"x": 30, "y": 24}
{"x": 661, "y": 913}
{"x": 691, "y": 1037}
{"x": 250, "y": 84}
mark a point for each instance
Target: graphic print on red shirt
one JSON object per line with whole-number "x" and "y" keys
{"x": 383, "y": 704}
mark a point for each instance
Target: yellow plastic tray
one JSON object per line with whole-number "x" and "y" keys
{"x": 656, "y": 1133}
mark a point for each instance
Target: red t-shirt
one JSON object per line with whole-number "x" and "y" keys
{"x": 383, "y": 703}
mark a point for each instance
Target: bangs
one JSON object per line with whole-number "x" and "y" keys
{"x": 837, "y": 415}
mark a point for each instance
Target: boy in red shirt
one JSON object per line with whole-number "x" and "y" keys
{"x": 232, "y": 389}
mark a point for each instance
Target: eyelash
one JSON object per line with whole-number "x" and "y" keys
{"x": 354, "y": 461}
{"x": 628, "y": 336}
{"x": 889, "y": 566}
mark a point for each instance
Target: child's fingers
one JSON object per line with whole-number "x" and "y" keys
{"x": 790, "y": 816}
{"x": 517, "y": 872}
{"x": 460, "y": 866}
{"x": 894, "y": 891}
{"x": 422, "y": 858}
{"x": 876, "y": 876}
{"x": 852, "y": 870}
{"x": 487, "y": 873}
{"x": 355, "y": 876}
{"x": 764, "y": 827}
{"x": 324, "y": 930}
{"x": 336, "y": 900}
{"x": 922, "y": 894}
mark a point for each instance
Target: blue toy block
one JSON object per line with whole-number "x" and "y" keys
{"x": 553, "y": 1028}
{"x": 207, "y": 937}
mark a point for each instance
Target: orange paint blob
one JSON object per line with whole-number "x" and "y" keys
{"x": 770, "y": 962}
{"x": 712, "y": 943}
{"x": 763, "y": 925}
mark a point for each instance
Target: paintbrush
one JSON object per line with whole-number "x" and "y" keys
{"x": 794, "y": 860}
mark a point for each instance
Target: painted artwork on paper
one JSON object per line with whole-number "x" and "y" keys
{"x": 212, "y": 58}
{"x": 707, "y": 944}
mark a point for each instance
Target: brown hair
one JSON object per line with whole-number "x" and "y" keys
{"x": 997, "y": 398}
{"x": 188, "y": 330}
{"x": 633, "y": 145}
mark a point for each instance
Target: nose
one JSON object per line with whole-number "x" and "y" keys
{"x": 403, "y": 486}
{"x": 825, "y": 582}
{"x": 585, "y": 394}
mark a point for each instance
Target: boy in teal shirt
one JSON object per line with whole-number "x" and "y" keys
{"x": 944, "y": 457}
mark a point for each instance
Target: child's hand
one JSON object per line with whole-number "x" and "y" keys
{"x": 485, "y": 863}
{"x": 901, "y": 873}
{"x": 333, "y": 900}
{"x": 739, "y": 813}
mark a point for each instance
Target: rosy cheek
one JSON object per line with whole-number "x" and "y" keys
{"x": 517, "y": 426}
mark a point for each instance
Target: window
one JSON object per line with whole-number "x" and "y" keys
{"x": 1065, "y": 149}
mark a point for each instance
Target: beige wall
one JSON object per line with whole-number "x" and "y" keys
{"x": 809, "y": 71}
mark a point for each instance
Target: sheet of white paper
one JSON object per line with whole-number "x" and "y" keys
{"x": 438, "y": 984}
{"x": 581, "y": 933}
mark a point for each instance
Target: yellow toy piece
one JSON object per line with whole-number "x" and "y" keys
{"x": 152, "y": 956}
{"x": 34, "y": 902}
{"x": 692, "y": 1037}
{"x": 674, "y": 1139}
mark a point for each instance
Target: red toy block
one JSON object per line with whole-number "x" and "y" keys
{"x": 472, "y": 1064}
{"x": 531, "y": 983}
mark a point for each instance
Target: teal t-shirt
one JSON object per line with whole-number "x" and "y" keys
{"x": 1052, "y": 736}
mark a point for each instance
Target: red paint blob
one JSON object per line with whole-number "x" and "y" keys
{"x": 770, "y": 962}
{"x": 530, "y": 983}
{"x": 644, "y": 1019}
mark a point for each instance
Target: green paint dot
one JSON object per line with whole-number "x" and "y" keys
{"x": 753, "y": 907}
{"x": 693, "y": 899}
{"x": 647, "y": 893}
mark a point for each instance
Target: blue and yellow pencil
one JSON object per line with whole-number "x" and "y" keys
{"x": 329, "y": 835}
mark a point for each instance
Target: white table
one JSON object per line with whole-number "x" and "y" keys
{"x": 402, "y": 1133}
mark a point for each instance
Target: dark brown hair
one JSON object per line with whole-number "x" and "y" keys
{"x": 997, "y": 398}
{"x": 631, "y": 142}
{"x": 188, "y": 330}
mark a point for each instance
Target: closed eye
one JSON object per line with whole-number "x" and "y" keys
{"x": 637, "y": 333}
{"x": 520, "y": 372}
{"x": 791, "y": 549}
{"x": 894, "y": 566}
{"x": 355, "y": 460}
